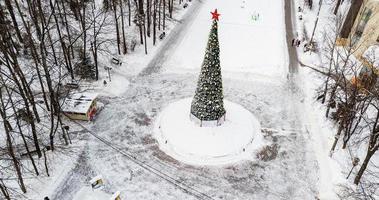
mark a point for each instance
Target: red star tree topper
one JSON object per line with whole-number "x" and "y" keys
{"x": 215, "y": 15}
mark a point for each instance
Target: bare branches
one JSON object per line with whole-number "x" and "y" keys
{"x": 350, "y": 94}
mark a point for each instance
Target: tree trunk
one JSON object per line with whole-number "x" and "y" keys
{"x": 15, "y": 161}
{"x": 359, "y": 175}
{"x": 10, "y": 146}
{"x": 45, "y": 162}
{"x": 155, "y": 22}
{"x": 336, "y": 137}
{"x": 94, "y": 44}
{"x": 12, "y": 56}
{"x": 130, "y": 13}
{"x": 125, "y": 50}
{"x": 148, "y": 13}
{"x": 15, "y": 24}
{"x": 66, "y": 52}
{"x": 373, "y": 146}
{"x": 15, "y": 71}
{"x": 117, "y": 29}
{"x": 171, "y": 7}
{"x": 144, "y": 33}
{"x": 4, "y": 190}
{"x": 45, "y": 25}
{"x": 67, "y": 29}
{"x": 84, "y": 29}
{"x": 20, "y": 130}
{"x": 54, "y": 105}
{"x": 159, "y": 14}
{"x": 337, "y": 6}
{"x": 34, "y": 53}
{"x": 32, "y": 13}
{"x": 164, "y": 14}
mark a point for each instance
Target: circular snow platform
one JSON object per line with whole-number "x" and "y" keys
{"x": 186, "y": 141}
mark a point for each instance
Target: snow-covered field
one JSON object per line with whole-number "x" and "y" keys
{"x": 246, "y": 45}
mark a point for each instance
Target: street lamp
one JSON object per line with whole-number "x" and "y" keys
{"x": 109, "y": 74}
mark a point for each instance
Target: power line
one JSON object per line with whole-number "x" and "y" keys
{"x": 186, "y": 188}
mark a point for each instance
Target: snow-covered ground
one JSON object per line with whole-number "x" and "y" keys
{"x": 332, "y": 170}
{"x": 284, "y": 169}
{"x": 275, "y": 172}
{"x": 246, "y": 45}
{"x": 234, "y": 140}
{"x": 87, "y": 193}
{"x": 254, "y": 61}
{"x": 136, "y": 61}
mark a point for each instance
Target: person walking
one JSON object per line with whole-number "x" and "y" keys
{"x": 298, "y": 43}
{"x": 293, "y": 42}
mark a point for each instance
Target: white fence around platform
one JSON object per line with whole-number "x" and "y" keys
{"x": 212, "y": 123}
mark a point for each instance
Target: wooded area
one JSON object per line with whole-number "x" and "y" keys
{"x": 43, "y": 46}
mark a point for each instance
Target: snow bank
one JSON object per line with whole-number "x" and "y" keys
{"x": 185, "y": 141}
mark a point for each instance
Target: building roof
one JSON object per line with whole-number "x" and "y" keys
{"x": 79, "y": 102}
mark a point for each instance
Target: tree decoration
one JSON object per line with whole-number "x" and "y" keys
{"x": 207, "y": 104}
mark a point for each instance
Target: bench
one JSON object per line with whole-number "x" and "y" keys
{"x": 116, "y": 61}
{"x": 72, "y": 85}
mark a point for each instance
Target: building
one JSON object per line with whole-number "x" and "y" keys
{"x": 80, "y": 106}
{"x": 360, "y": 29}
{"x": 360, "y": 33}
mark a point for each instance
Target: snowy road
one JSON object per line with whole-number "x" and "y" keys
{"x": 254, "y": 76}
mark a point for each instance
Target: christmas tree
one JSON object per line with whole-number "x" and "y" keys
{"x": 207, "y": 104}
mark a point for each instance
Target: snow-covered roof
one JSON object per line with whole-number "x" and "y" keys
{"x": 79, "y": 102}
{"x": 372, "y": 55}
{"x": 93, "y": 180}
